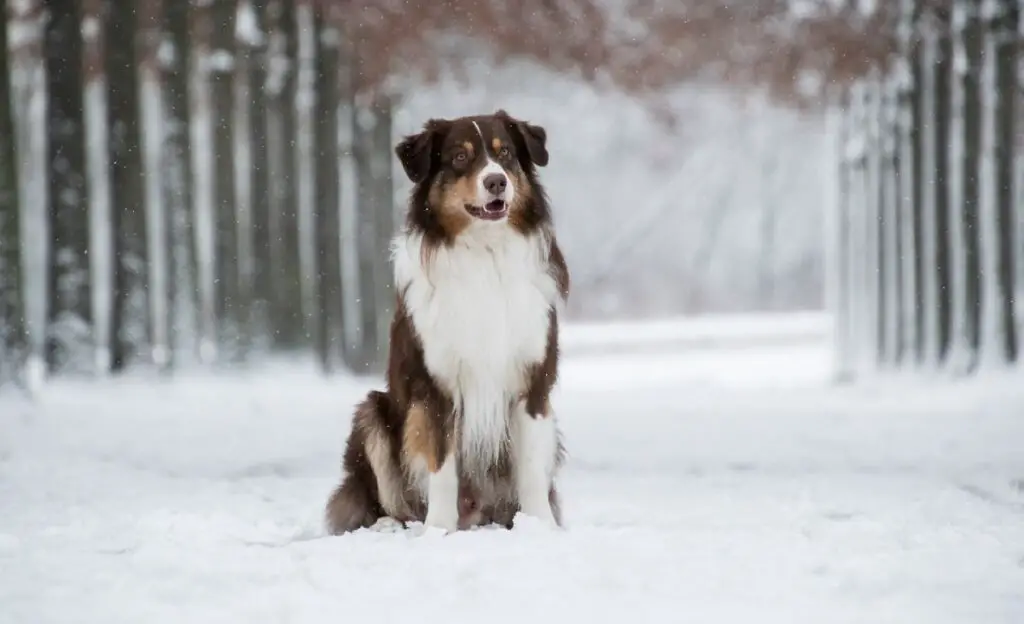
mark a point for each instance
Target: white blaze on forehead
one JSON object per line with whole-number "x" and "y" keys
{"x": 483, "y": 196}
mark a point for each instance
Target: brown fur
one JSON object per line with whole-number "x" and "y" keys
{"x": 413, "y": 420}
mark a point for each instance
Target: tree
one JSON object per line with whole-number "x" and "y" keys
{"x": 28, "y": 90}
{"x": 203, "y": 191}
{"x": 963, "y": 202}
{"x": 248, "y": 38}
{"x": 102, "y": 252}
{"x": 221, "y": 63}
{"x": 998, "y": 90}
{"x": 891, "y": 221}
{"x": 252, "y": 31}
{"x": 12, "y": 328}
{"x": 304, "y": 103}
{"x": 128, "y": 194}
{"x": 283, "y": 256}
{"x": 330, "y": 332}
{"x": 152, "y": 134}
{"x": 68, "y": 272}
{"x": 934, "y": 117}
{"x": 908, "y": 93}
{"x": 875, "y": 292}
{"x": 177, "y": 180}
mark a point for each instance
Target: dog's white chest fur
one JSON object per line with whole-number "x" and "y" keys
{"x": 480, "y": 309}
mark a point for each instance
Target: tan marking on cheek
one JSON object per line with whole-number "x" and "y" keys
{"x": 418, "y": 438}
{"x": 449, "y": 200}
{"x": 523, "y": 195}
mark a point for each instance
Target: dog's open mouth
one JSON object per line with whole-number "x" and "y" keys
{"x": 491, "y": 211}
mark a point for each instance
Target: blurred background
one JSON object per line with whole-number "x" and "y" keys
{"x": 213, "y": 181}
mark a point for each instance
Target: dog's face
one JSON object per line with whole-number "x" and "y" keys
{"x": 474, "y": 170}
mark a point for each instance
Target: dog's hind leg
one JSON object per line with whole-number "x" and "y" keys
{"x": 350, "y": 507}
{"x": 373, "y": 484}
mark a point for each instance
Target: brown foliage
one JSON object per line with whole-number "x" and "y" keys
{"x": 648, "y": 46}
{"x": 410, "y": 36}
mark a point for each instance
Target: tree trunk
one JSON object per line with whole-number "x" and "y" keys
{"x": 857, "y": 216}
{"x": 28, "y": 89}
{"x": 222, "y": 58}
{"x": 247, "y": 40}
{"x": 151, "y": 112}
{"x": 203, "y": 158}
{"x": 329, "y": 333}
{"x": 351, "y": 301}
{"x": 934, "y": 222}
{"x": 837, "y": 238}
{"x": 178, "y": 186}
{"x": 68, "y": 279}
{"x": 892, "y": 226}
{"x": 908, "y": 84}
{"x": 305, "y": 166}
{"x": 384, "y": 223}
{"x": 366, "y": 241}
{"x": 286, "y": 313}
{"x": 12, "y": 325}
{"x": 998, "y": 86}
{"x": 864, "y": 270}
{"x": 101, "y": 223}
{"x": 263, "y": 270}
{"x": 874, "y": 313}
{"x": 963, "y": 201}
{"x": 129, "y": 198}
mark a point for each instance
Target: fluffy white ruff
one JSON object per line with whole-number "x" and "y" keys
{"x": 480, "y": 308}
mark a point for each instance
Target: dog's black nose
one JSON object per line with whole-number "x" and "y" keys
{"x": 495, "y": 183}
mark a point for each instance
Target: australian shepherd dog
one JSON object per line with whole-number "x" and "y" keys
{"x": 464, "y": 433}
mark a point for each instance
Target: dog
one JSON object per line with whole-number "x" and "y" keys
{"x": 464, "y": 433}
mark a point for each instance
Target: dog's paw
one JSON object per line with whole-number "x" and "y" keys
{"x": 442, "y": 520}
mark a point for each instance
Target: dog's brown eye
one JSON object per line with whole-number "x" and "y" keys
{"x": 503, "y": 153}
{"x": 460, "y": 157}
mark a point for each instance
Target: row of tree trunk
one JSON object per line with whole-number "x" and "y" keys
{"x": 927, "y": 228}
{"x": 181, "y": 181}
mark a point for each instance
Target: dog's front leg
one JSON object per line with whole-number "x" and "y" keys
{"x": 427, "y": 441}
{"x": 535, "y": 442}
{"x": 443, "y": 495}
{"x": 535, "y": 445}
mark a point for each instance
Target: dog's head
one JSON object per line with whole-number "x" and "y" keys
{"x": 475, "y": 172}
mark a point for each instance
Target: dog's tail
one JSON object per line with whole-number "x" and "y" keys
{"x": 356, "y": 503}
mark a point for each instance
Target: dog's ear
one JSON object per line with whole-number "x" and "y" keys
{"x": 419, "y": 152}
{"x": 531, "y": 140}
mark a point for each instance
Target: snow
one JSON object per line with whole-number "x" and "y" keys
{"x": 709, "y": 491}
{"x": 247, "y": 26}
{"x": 694, "y": 331}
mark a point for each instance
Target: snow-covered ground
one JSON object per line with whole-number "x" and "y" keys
{"x": 724, "y": 485}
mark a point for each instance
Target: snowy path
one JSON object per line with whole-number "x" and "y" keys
{"x": 693, "y": 494}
